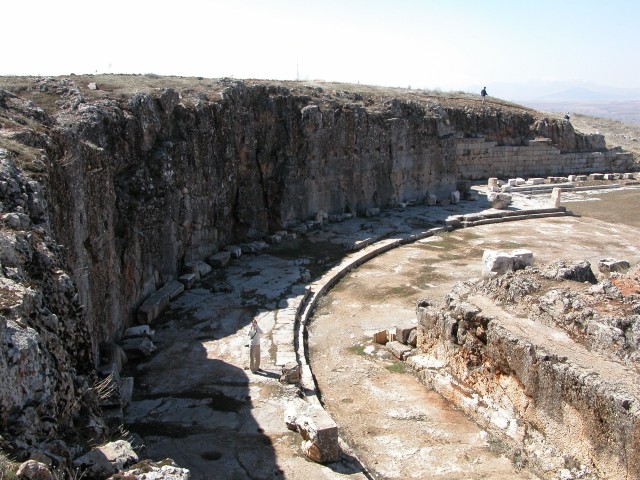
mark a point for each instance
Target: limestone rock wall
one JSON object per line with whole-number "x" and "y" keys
{"x": 144, "y": 186}
{"x": 46, "y": 356}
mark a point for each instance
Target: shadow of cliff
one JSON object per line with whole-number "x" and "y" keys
{"x": 198, "y": 411}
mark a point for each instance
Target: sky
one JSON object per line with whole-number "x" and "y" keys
{"x": 436, "y": 44}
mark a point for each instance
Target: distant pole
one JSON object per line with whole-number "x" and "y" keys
{"x": 297, "y": 70}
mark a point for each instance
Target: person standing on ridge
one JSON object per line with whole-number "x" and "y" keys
{"x": 254, "y": 346}
{"x": 483, "y": 93}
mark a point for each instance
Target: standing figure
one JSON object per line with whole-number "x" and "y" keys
{"x": 483, "y": 93}
{"x": 254, "y": 346}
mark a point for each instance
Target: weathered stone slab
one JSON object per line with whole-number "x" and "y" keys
{"x": 581, "y": 178}
{"x": 188, "y": 280}
{"x": 219, "y": 260}
{"x": 454, "y": 197}
{"x": 173, "y": 288}
{"x": 138, "y": 331}
{"x": 609, "y": 176}
{"x": 398, "y": 350}
{"x": 431, "y": 200}
{"x": 152, "y": 306}
{"x": 596, "y": 176}
{"x": 535, "y": 181}
{"x": 499, "y": 200}
{"x": 381, "y": 337}
{"x": 610, "y": 265}
{"x": 496, "y": 262}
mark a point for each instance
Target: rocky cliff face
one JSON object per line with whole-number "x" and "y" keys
{"x": 106, "y": 195}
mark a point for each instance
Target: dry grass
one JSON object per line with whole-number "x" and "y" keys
{"x": 368, "y": 96}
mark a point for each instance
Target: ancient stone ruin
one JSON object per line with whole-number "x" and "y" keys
{"x": 115, "y": 203}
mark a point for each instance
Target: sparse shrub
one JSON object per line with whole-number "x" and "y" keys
{"x": 8, "y": 468}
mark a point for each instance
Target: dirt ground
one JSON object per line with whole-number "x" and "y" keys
{"x": 397, "y": 427}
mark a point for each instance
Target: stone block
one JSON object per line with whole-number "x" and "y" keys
{"x": 609, "y": 176}
{"x": 499, "y": 201}
{"x": 522, "y": 258}
{"x": 611, "y": 265}
{"x": 173, "y": 288}
{"x": 496, "y": 263}
{"x": 402, "y": 333}
{"x": 274, "y": 239}
{"x": 556, "y": 194}
{"x": 596, "y": 176}
{"x": 391, "y": 335}
{"x": 431, "y": 200}
{"x": 372, "y": 212}
{"x": 535, "y": 181}
{"x": 398, "y": 350}
{"x": 454, "y": 197}
{"x": 219, "y": 260}
{"x": 126, "y": 391}
{"x": 203, "y": 268}
{"x": 381, "y": 337}
{"x": 138, "y": 331}
{"x": 318, "y": 430}
{"x": 152, "y": 306}
{"x": 234, "y": 250}
{"x": 188, "y": 280}
{"x": 290, "y": 373}
{"x": 412, "y": 339}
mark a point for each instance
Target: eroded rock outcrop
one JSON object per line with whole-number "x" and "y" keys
{"x": 549, "y": 362}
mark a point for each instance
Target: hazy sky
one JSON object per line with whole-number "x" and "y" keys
{"x": 446, "y": 44}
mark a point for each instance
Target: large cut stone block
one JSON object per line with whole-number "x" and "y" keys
{"x": 496, "y": 263}
{"x": 152, "y": 306}
{"x": 399, "y": 350}
{"x": 219, "y": 260}
{"x": 318, "y": 430}
{"x": 381, "y": 337}
{"x": 172, "y": 288}
{"x": 188, "y": 280}
{"x": 403, "y": 332}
